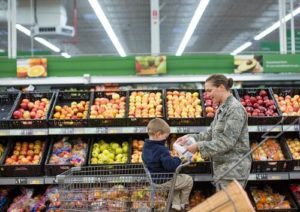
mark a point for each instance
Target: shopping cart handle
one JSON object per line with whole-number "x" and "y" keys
{"x": 183, "y": 164}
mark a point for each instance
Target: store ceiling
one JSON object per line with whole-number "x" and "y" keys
{"x": 224, "y": 26}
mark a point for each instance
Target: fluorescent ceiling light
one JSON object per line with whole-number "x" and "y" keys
{"x": 47, "y": 44}
{"x": 241, "y": 48}
{"x": 105, "y": 23}
{"x": 65, "y": 54}
{"x": 192, "y": 26}
{"x": 23, "y": 29}
{"x": 276, "y": 25}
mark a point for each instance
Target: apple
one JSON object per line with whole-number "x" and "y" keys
{"x": 17, "y": 114}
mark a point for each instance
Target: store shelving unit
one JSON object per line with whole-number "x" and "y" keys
{"x": 140, "y": 130}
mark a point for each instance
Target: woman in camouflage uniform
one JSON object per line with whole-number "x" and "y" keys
{"x": 227, "y": 138}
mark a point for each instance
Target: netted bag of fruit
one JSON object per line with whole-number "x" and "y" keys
{"x": 266, "y": 199}
{"x": 61, "y": 152}
{"x": 20, "y": 202}
{"x": 78, "y": 153}
{"x": 52, "y": 195}
{"x": 270, "y": 150}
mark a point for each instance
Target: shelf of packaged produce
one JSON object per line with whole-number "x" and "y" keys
{"x": 269, "y": 176}
{"x": 124, "y": 130}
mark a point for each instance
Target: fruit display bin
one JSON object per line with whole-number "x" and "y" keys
{"x": 109, "y": 149}
{"x": 260, "y": 100}
{"x": 25, "y": 170}
{"x": 292, "y": 112}
{"x": 271, "y": 193}
{"x": 56, "y": 169}
{"x": 295, "y": 189}
{"x": 99, "y": 106}
{"x": 33, "y": 102}
{"x": 186, "y": 100}
{"x": 7, "y": 101}
{"x": 292, "y": 142}
{"x": 134, "y": 120}
{"x": 275, "y": 165}
{"x": 71, "y": 103}
{"x": 203, "y": 167}
{"x": 4, "y": 144}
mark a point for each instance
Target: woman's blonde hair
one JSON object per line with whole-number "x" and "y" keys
{"x": 158, "y": 125}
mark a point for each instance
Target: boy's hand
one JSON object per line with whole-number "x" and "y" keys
{"x": 192, "y": 148}
{"x": 183, "y": 159}
{"x": 182, "y": 140}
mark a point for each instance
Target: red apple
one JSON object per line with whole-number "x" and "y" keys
{"x": 263, "y": 93}
{"x": 17, "y": 114}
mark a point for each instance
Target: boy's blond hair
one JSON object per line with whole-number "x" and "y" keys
{"x": 158, "y": 125}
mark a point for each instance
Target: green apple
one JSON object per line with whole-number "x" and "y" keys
{"x": 103, "y": 147}
{"x": 119, "y": 157}
{"x": 100, "y": 161}
{"x": 111, "y": 156}
{"x": 94, "y": 161}
{"x": 125, "y": 143}
{"x": 114, "y": 146}
{"x": 95, "y": 146}
{"x": 119, "y": 150}
{"x": 125, "y": 159}
{"x": 105, "y": 152}
{"x": 125, "y": 149}
{"x": 95, "y": 154}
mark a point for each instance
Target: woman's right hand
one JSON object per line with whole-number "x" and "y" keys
{"x": 182, "y": 140}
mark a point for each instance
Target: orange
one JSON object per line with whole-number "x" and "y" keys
{"x": 36, "y": 71}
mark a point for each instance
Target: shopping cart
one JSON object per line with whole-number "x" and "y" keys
{"x": 116, "y": 187}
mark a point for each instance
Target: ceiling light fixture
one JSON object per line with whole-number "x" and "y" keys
{"x": 276, "y": 25}
{"x": 38, "y": 39}
{"x": 65, "y": 54}
{"x": 241, "y": 48}
{"x": 105, "y": 23}
{"x": 192, "y": 26}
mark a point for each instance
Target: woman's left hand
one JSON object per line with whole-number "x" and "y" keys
{"x": 192, "y": 148}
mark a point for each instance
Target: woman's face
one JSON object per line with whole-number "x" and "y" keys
{"x": 215, "y": 93}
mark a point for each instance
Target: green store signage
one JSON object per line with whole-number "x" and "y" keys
{"x": 281, "y": 63}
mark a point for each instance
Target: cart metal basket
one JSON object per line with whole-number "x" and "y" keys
{"x": 115, "y": 187}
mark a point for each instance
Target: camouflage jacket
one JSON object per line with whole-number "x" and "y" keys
{"x": 227, "y": 140}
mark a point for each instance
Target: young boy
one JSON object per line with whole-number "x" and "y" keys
{"x": 157, "y": 158}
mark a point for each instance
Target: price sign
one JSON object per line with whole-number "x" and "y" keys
{"x": 102, "y": 130}
{"x": 27, "y": 132}
{"x": 183, "y": 130}
{"x": 140, "y": 130}
{"x": 261, "y": 176}
{"x": 36, "y": 181}
{"x": 262, "y": 128}
{"x": 21, "y": 181}
{"x": 296, "y": 127}
{"x": 68, "y": 131}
